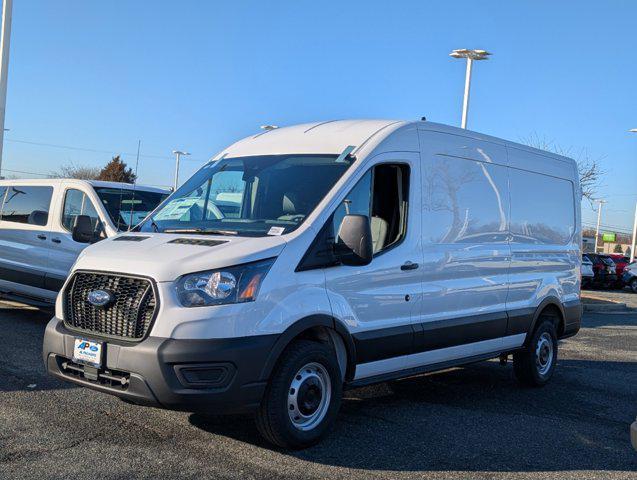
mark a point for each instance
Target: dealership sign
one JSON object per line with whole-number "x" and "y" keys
{"x": 609, "y": 237}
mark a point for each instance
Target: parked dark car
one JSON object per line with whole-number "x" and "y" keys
{"x": 629, "y": 277}
{"x": 604, "y": 270}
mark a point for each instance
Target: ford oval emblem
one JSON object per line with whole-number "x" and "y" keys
{"x": 99, "y": 298}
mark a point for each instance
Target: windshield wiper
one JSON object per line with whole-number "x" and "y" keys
{"x": 201, "y": 231}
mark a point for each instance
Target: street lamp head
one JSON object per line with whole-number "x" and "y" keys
{"x": 179, "y": 152}
{"x": 472, "y": 54}
{"x": 633, "y": 130}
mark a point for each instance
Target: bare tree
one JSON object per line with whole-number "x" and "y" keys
{"x": 79, "y": 172}
{"x": 590, "y": 172}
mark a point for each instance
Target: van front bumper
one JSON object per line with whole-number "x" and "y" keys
{"x": 212, "y": 375}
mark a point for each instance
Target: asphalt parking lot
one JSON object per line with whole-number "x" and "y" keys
{"x": 474, "y": 422}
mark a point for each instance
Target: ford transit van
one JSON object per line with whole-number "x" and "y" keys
{"x": 304, "y": 260}
{"x": 45, "y": 224}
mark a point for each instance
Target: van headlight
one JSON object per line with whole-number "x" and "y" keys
{"x": 227, "y": 285}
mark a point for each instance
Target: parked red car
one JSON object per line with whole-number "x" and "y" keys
{"x": 620, "y": 264}
{"x": 604, "y": 270}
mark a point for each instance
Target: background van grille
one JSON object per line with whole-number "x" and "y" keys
{"x": 129, "y": 315}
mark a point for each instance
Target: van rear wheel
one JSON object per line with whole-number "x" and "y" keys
{"x": 303, "y": 397}
{"x": 534, "y": 366}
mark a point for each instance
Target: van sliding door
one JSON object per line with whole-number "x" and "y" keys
{"x": 465, "y": 213}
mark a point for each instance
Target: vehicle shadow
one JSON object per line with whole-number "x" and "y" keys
{"x": 21, "y": 366}
{"x": 476, "y": 418}
{"x": 609, "y": 319}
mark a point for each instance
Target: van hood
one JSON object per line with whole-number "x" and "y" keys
{"x": 165, "y": 257}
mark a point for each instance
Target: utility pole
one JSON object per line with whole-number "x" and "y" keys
{"x": 5, "y": 37}
{"x": 178, "y": 154}
{"x": 470, "y": 55}
{"x": 632, "y": 246}
{"x": 599, "y": 220}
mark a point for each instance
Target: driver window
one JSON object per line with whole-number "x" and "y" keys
{"x": 382, "y": 196}
{"x": 77, "y": 203}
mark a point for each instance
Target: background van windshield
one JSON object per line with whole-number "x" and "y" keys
{"x": 127, "y": 207}
{"x": 255, "y": 196}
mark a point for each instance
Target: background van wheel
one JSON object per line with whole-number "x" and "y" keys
{"x": 633, "y": 285}
{"x": 303, "y": 397}
{"x": 534, "y": 366}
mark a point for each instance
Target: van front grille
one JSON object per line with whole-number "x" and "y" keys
{"x": 128, "y": 315}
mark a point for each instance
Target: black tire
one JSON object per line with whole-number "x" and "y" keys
{"x": 633, "y": 285}
{"x": 534, "y": 366}
{"x": 274, "y": 416}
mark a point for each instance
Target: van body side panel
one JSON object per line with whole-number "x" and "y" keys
{"x": 545, "y": 233}
{"x": 465, "y": 211}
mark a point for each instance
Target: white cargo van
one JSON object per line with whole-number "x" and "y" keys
{"x": 304, "y": 260}
{"x": 45, "y": 224}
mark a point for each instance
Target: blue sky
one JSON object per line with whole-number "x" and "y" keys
{"x": 197, "y": 75}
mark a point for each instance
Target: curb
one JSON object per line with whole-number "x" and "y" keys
{"x": 601, "y": 307}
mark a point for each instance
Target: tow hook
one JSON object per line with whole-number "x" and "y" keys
{"x": 504, "y": 358}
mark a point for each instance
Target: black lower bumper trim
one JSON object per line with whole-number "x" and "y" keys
{"x": 214, "y": 375}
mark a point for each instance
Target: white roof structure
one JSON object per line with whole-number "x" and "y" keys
{"x": 72, "y": 181}
{"x": 334, "y": 136}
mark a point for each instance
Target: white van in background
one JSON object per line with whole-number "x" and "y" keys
{"x": 37, "y": 221}
{"x": 308, "y": 259}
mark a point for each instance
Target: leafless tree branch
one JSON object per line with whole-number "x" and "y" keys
{"x": 590, "y": 171}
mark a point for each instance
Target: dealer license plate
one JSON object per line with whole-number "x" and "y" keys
{"x": 88, "y": 352}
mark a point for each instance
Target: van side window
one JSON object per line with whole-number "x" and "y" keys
{"x": 550, "y": 218}
{"x": 77, "y": 203}
{"x": 27, "y": 205}
{"x": 464, "y": 201}
{"x": 382, "y": 196}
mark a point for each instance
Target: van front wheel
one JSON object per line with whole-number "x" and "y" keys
{"x": 534, "y": 365}
{"x": 303, "y": 397}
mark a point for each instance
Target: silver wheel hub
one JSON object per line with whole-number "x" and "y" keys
{"x": 309, "y": 396}
{"x": 544, "y": 354}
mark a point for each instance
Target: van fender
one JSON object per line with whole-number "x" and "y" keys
{"x": 550, "y": 300}
{"x": 307, "y": 323}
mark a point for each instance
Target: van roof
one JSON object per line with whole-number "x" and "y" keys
{"x": 72, "y": 181}
{"x": 334, "y": 136}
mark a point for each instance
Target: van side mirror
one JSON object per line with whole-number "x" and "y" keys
{"x": 354, "y": 241}
{"x": 83, "y": 229}
{"x": 38, "y": 217}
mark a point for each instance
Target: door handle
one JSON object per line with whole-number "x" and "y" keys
{"x": 409, "y": 266}
{"x": 56, "y": 240}
{"x": 42, "y": 237}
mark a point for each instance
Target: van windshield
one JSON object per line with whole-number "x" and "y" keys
{"x": 249, "y": 196}
{"x": 128, "y": 207}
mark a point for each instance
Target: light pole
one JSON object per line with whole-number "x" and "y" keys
{"x": 470, "y": 55}
{"x": 599, "y": 220}
{"x": 632, "y": 245}
{"x": 178, "y": 154}
{"x": 5, "y": 37}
